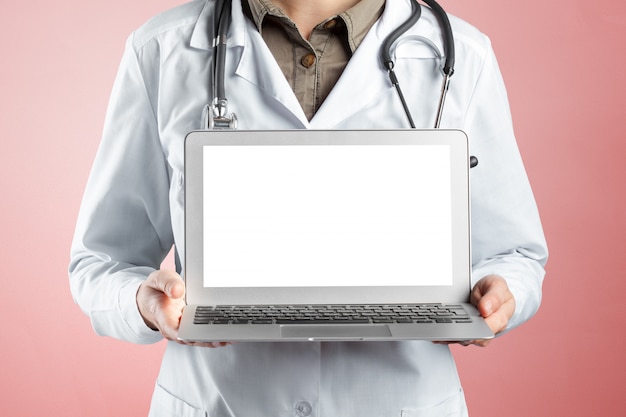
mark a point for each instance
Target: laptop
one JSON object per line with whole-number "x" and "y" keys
{"x": 338, "y": 235}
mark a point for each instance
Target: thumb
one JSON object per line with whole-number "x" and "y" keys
{"x": 486, "y": 295}
{"x": 487, "y": 304}
{"x": 167, "y": 282}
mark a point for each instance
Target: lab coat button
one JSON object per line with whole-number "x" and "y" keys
{"x": 308, "y": 60}
{"x": 303, "y": 408}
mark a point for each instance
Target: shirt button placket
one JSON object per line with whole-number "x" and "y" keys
{"x": 303, "y": 409}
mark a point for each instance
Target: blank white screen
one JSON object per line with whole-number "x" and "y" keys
{"x": 326, "y": 216}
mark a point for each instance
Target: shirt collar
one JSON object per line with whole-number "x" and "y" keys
{"x": 358, "y": 20}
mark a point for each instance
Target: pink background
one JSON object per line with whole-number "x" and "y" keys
{"x": 563, "y": 61}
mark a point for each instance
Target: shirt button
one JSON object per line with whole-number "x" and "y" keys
{"x": 330, "y": 24}
{"x": 308, "y": 60}
{"x": 303, "y": 408}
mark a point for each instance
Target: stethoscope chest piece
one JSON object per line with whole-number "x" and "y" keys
{"x": 215, "y": 116}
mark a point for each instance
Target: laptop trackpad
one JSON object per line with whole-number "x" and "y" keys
{"x": 313, "y": 331}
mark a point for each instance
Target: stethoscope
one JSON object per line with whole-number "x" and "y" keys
{"x": 216, "y": 114}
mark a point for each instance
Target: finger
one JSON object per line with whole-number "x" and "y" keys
{"x": 211, "y": 345}
{"x": 478, "y": 342}
{"x": 465, "y": 343}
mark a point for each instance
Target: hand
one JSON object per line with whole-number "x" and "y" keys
{"x": 160, "y": 299}
{"x": 495, "y": 302}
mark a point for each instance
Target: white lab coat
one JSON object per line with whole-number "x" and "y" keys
{"x": 132, "y": 211}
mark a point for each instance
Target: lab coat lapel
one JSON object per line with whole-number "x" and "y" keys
{"x": 200, "y": 38}
{"x": 364, "y": 79}
{"x": 252, "y": 59}
{"x": 258, "y": 66}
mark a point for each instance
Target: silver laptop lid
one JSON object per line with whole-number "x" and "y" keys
{"x": 326, "y": 217}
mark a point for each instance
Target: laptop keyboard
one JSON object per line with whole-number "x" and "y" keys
{"x": 332, "y": 314}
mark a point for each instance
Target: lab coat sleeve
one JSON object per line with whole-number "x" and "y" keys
{"x": 507, "y": 236}
{"x": 124, "y": 230}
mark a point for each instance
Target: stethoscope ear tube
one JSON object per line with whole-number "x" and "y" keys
{"x": 448, "y": 50}
{"x": 448, "y": 38}
{"x": 385, "y": 55}
{"x": 385, "y": 50}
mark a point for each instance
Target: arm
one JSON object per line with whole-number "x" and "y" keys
{"x": 508, "y": 245}
{"x": 123, "y": 230}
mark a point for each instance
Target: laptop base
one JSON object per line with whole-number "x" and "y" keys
{"x": 474, "y": 328}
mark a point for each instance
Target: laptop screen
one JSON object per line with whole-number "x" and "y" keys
{"x": 307, "y": 215}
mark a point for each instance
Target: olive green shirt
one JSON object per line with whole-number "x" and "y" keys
{"x": 313, "y": 66}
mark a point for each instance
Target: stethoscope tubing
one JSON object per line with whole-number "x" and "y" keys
{"x": 221, "y": 24}
{"x": 388, "y": 62}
